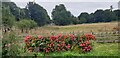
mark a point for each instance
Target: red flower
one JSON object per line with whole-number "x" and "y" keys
{"x": 39, "y": 37}
{"x": 52, "y": 44}
{"x": 63, "y": 44}
{"x": 65, "y": 36}
{"x": 90, "y": 36}
{"x": 57, "y": 40}
{"x": 53, "y": 38}
{"x": 27, "y": 38}
{"x": 46, "y": 50}
{"x": 82, "y": 44}
{"x": 87, "y": 36}
{"x": 93, "y": 38}
{"x": 85, "y": 47}
{"x": 68, "y": 46}
{"x": 58, "y": 48}
{"x": 89, "y": 47}
{"x": 79, "y": 40}
{"x": 87, "y": 42}
{"x": 72, "y": 37}
{"x": 60, "y": 35}
{"x": 58, "y": 45}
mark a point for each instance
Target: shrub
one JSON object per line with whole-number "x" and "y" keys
{"x": 9, "y": 45}
{"x": 57, "y": 43}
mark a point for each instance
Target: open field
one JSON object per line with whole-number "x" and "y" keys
{"x": 94, "y": 27}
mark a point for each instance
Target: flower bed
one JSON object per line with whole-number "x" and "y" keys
{"x": 57, "y": 43}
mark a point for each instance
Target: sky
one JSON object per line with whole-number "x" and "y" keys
{"x": 74, "y": 6}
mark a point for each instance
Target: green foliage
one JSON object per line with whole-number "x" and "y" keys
{"x": 99, "y": 16}
{"x": 75, "y": 20}
{"x": 117, "y": 13}
{"x": 110, "y": 17}
{"x": 9, "y": 46}
{"x": 12, "y": 8}
{"x": 32, "y": 11}
{"x": 62, "y": 17}
{"x": 26, "y": 24}
{"x": 83, "y": 20}
{"x": 38, "y": 14}
{"x": 8, "y": 19}
{"x": 83, "y": 17}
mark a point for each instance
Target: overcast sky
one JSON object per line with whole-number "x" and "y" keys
{"x": 74, "y": 6}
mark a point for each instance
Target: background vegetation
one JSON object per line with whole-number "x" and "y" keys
{"x": 60, "y": 15}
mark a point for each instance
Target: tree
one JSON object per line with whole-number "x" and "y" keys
{"x": 32, "y": 11}
{"x": 37, "y": 13}
{"x": 117, "y": 14}
{"x": 99, "y": 16}
{"x": 61, "y": 16}
{"x": 83, "y": 20}
{"x": 109, "y": 15}
{"x": 84, "y": 17}
{"x": 8, "y": 19}
{"x": 91, "y": 18}
{"x": 75, "y": 20}
{"x": 13, "y": 9}
{"x": 26, "y": 24}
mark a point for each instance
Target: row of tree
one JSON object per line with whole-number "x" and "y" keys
{"x": 63, "y": 17}
{"x": 99, "y": 16}
{"x": 11, "y": 14}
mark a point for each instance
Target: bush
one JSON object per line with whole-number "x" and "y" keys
{"x": 26, "y": 24}
{"x": 9, "y": 45}
{"x": 57, "y": 43}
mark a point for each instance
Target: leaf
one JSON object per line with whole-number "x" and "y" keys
{"x": 33, "y": 44}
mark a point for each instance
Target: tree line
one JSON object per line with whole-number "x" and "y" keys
{"x": 36, "y": 14}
